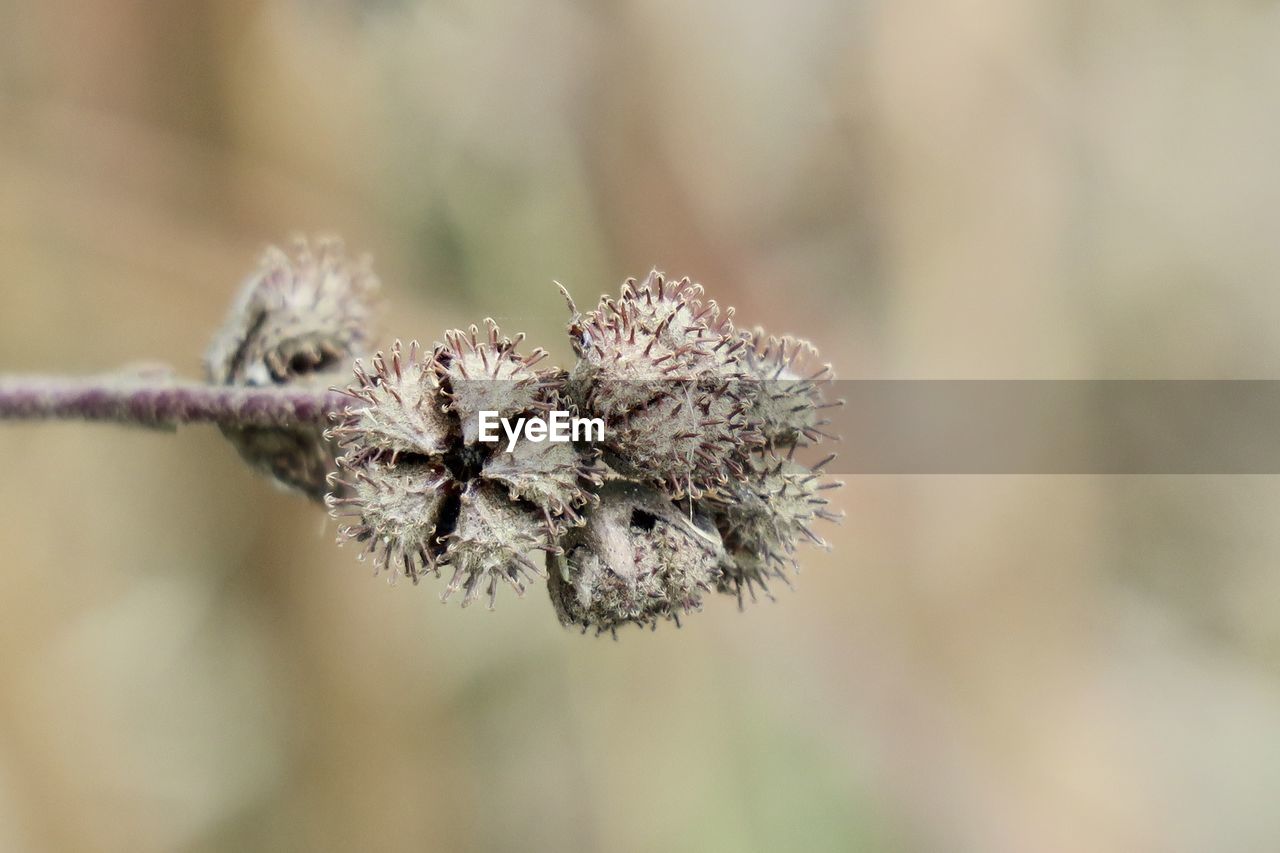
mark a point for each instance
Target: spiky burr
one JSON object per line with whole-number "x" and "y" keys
{"x": 301, "y": 318}
{"x": 421, "y": 489}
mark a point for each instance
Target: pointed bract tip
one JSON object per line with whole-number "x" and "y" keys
{"x": 573, "y": 309}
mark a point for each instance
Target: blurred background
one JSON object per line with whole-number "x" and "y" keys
{"x": 963, "y": 189}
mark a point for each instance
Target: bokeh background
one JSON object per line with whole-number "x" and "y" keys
{"x": 958, "y": 189}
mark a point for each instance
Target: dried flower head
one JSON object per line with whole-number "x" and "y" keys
{"x": 664, "y": 370}
{"x": 631, "y": 348}
{"x": 400, "y": 507}
{"x": 487, "y": 372}
{"x": 301, "y": 318}
{"x": 402, "y": 409}
{"x": 763, "y": 516}
{"x": 785, "y": 391}
{"x": 490, "y": 542}
{"x": 466, "y": 504}
{"x": 637, "y": 560}
{"x": 693, "y": 437}
{"x": 693, "y": 488}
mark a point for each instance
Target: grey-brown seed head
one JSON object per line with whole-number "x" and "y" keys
{"x": 693, "y": 437}
{"x": 695, "y": 487}
{"x": 425, "y": 493}
{"x": 399, "y": 409}
{"x": 486, "y": 372}
{"x": 638, "y": 559}
{"x": 490, "y": 543}
{"x": 300, "y": 319}
{"x": 632, "y": 347}
{"x": 664, "y": 369}
{"x": 304, "y": 311}
{"x": 763, "y": 516}
{"x": 396, "y": 510}
{"x": 784, "y": 388}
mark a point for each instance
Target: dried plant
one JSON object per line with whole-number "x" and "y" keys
{"x": 301, "y": 318}
{"x": 693, "y": 488}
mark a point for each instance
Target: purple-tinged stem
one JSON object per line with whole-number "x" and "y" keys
{"x": 161, "y": 402}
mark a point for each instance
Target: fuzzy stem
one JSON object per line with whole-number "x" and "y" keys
{"x": 161, "y": 402}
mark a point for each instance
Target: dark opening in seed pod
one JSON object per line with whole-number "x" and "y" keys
{"x": 638, "y": 559}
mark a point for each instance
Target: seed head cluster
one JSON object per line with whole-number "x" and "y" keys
{"x": 422, "y": 492}
{"x": 695, "y": 488}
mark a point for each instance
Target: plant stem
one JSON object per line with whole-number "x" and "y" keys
{"x": 161, "y": 402}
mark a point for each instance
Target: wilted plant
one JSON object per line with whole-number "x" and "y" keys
{"x": 694, "y": 487}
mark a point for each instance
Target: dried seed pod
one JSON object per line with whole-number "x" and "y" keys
{"x": 399, "y": 508}
{"x": 692, "y": 409}
{"x": 557, "y": 477}
{"x": 630, "y": 348}
{"x": 484, "y": 512}
{"x": 301, "y": 318}
{"x": 785, "y": 388}
{"x": 662, "y": 367}
{"x": 677, "y": 315}
{"x": 693, "y": 437}
{"x": 394, "y": 473}
{"x": 490, "y": 543}
{"x": 302, "y": 312}
{"x": 638, "y": 559}
{"x": 763, "y": 516}
{"x": 401, "y": 411}
{"x": 487, "y": 373}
